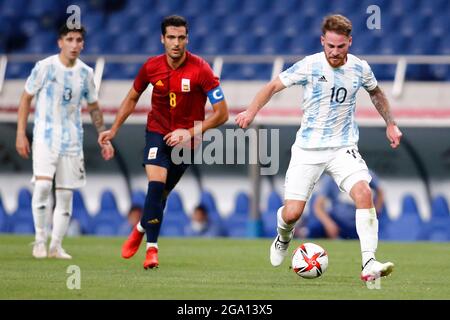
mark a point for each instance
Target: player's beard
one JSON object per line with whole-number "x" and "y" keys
{"x": 335, "y": 63}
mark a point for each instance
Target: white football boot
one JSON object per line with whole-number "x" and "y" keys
{"x": 278, "y": 251}
{"x": 39, "y": 250}
{"x": 374, "y": 270}
{"x": 59, "y": 253}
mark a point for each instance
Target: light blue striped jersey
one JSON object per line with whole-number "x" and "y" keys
{"x": 59, "y": 93}
{"x": 329, "y": 99}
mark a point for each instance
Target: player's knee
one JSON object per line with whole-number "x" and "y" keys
{"x": 41, "y": 193}
{"x": 292, "y": 211}
{"x": 361, "y": 194}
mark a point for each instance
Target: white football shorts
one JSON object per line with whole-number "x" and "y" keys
{"x": 345, "y": 165}
{"x": 68, "y": 171}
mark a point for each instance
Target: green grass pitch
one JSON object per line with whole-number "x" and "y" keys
{"x": 223, "y": 269}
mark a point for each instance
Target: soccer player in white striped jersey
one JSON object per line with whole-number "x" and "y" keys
{"x": 328, "y": 136}
{"x": 60, "y": 83}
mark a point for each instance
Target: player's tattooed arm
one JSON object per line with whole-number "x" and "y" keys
{"x": 382, "y": 104}
{"x": 96, "y": 116}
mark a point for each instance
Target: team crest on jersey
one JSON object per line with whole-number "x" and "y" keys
{"x": 185, "y": 85}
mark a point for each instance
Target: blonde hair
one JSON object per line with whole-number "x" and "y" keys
{"x": 338, "y": 24}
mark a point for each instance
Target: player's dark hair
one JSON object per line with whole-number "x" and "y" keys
{"x": 173, "y": 21}
{"x": 202, "y": 208}
{"x": 337, "y": 23}
{"x": 65, "y": 30}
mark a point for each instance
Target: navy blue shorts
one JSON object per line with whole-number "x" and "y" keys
{"x": 158, "y": 153}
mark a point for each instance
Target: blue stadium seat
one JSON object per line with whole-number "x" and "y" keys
{"x": 166, "y": 8}
{"x": 438, "y": 228}
{"x": 138, "y": 198}
{"x": 264, "y": 24}
{"x": 431, "y": 8}
{"x": 39, "y": 8}
{"x": 246, "y": 71}
{"x": 205, "y": 26}
{"x": 383, "y": 71}
{"x": 18, "y": 70}
{"x": 108, "y": 219}
{"x": 255, "y": 7}
{"x": 43, "y": 43}
{"x": 151, "y": 44}
{"x": 285, "y": 8}
{"x": 409, "y": 226}
{"x": 207, "y": 200}
{"x": 81, "y": 214}
{"x": 196, "y": 7}
{"x": 127, "y": 43}
{"x": 217, "y": 45}
{"x": 271, "y": 45}
{"x": 98, "y": 43}
{"x": 14, "y": 8}
{"x": 236, "y": 224}
{"x": 439, "y": 72}
{"x": 269, "y": 216}
{"x": 4, "y": 218}
{"x": 93, "y": 22}
{"x": 118, "y": 22}
{"x": 223, "y": 8}
{"x": 21, "y": 221}
{"x": 175, "y": 219}
{"x": 383, "y": 222}
{"x": 148, "y": 24}
{"x": 234, "y": 24}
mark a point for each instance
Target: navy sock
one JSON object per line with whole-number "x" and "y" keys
{"x": 153, "y": 210}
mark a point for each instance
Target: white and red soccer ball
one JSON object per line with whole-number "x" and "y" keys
{"x": 309, "y": 260}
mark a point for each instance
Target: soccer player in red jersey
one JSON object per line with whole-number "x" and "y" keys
{"x": 181, "y": 84}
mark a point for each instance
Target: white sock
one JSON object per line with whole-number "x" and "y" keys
{"x": 284, "y": 229}
{"x": 139, "y": 227}
{"x": 152, "y": 244}
{"x": 367, "y": 229}
{"x": 61, "y": 216}
{"x": 39, "y": 207}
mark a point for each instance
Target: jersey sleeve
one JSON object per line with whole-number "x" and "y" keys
{"x": 141, "y": 81}
{"x": 296, "y": 74}
{"x": 208, "y": 80}
{"x": 36, "y": 79}
{"x": 90, "y": 93}
{"x": 369, "y": 82}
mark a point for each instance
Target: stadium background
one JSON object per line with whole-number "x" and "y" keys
{"x": 246, "y": 42}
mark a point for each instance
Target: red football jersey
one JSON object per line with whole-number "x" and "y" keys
{"x": 179, "y": 96}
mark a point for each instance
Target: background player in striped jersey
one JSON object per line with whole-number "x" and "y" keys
{"x": 60, "y": 83}
{"x": 181, "y": 84}
{"x": 328, "y": 136}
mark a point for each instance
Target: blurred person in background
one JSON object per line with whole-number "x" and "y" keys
{"x": 333, "y": 214}
{"x": 60, "y": 83}
{"x": 201, "y": 225}
{"x": 133, "y": 217}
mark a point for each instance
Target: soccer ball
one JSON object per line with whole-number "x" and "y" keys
{"x": 309, "y": 260}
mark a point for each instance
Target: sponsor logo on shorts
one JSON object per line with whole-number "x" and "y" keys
{"x": 152, "y": 153}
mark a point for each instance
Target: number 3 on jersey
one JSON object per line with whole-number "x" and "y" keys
{"x": 172, "y": 99}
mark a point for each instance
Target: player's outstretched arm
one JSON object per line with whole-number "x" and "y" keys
{"x": 22, "y": 143}
{"x": 245, "y": 118}
{"x": 126, "y": 108}
{"x": 97, "y": 121}
{"x": 380, "y": 102}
